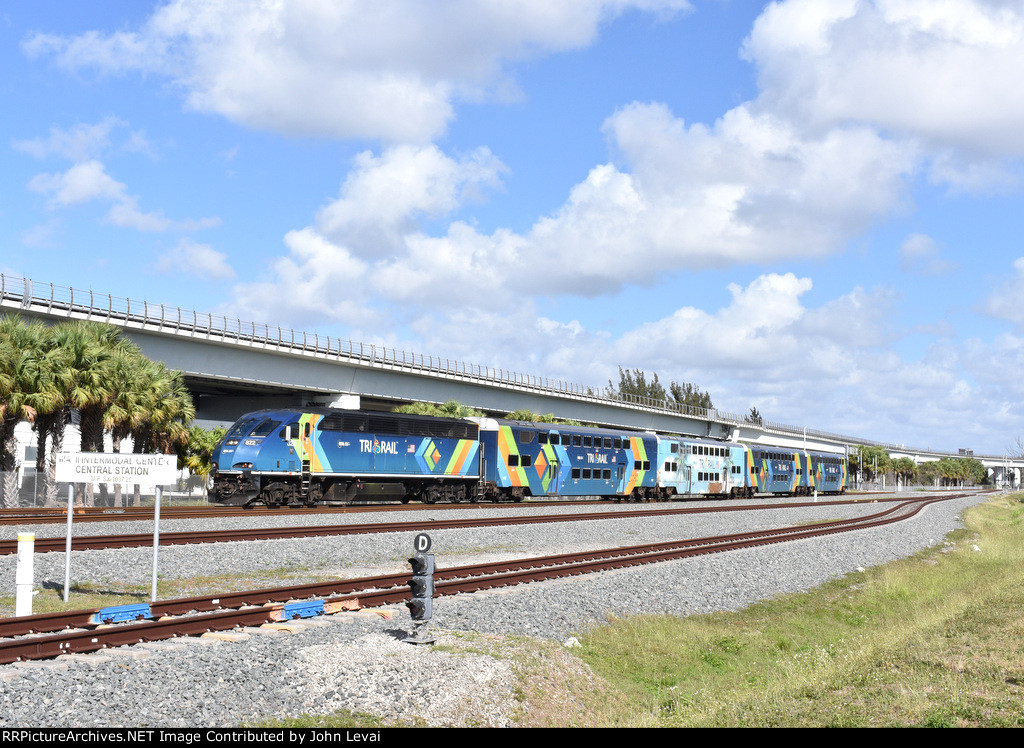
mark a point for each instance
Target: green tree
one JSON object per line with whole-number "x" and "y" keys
{"x": 524, "y": 414}
{"x": 521, "y": 414}
{"x": 905, "y": 468}
{"x": 870, "y": 461}
{"x": 196, "y": 453}
{"x": 102, "y": 352}
{"x": 955, "y": 471}
{"x": 450, "y": 409}
{"x": 690, "y": 395}
{"x": 169, "y": 410}
{"x": 21, "y": 351}
{"x": 928, "y": 473}
{"x": 47, "y": 373}
{"x": 635, "y": 383}
{"x": 55, "y": 378}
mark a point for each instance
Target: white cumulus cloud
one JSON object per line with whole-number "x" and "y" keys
{"x": 945, "y": 72}
{"x": 200, "y": 260}
{"x": 390, "y": 69}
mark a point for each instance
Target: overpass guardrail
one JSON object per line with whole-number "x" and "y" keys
{"x": 26, "y": 294}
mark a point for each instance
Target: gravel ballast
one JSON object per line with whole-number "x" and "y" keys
{"x": 358, "y": 661}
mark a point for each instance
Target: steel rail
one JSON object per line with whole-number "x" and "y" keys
{"x": 381, "y": 590}
{"x": 55, "y": 515}
{"x": 137, "y": 540}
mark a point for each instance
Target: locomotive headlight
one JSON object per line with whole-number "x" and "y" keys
{"x": 231, "y": 442}
{"x": 243, "y": 465}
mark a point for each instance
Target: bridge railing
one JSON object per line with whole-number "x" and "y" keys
{"x": 27, "y": 294}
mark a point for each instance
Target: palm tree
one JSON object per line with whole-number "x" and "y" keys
{"x": 21, "y": 349}
{"x": 46, "y": 374}
{"x": 196, "y": 455}
{"x": 97, "y": 381}
{"x": 54, "y": 379}
{"x": 128, "y": 409}
{"x": 169, "y": 410}
{"x": 79, "y": 359}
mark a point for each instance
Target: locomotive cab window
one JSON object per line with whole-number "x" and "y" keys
{"x": 265, "y": 428}
{"x": 243, "y": 427}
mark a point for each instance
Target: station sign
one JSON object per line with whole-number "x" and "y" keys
{"x": 117, "y": 468}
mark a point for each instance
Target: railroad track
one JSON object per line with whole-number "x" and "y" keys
{"x": 31, "y": 637}
{"x": 56, "y": 515}
{"x": 137, "y": 540}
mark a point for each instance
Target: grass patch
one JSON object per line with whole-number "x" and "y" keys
{"x": 936, "y": 639}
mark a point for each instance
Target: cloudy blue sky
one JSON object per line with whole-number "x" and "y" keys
{"x": 813, "y": 208}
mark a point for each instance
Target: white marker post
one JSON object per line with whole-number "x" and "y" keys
{"x": 67, "y": 542}
{"x": 156, "y": 539}
{"x": 123, "y": 469}
{"x": 23, "y": 575}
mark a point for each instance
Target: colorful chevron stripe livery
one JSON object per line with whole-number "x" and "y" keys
{"x": 547, "y": 460}
{"x": 639, "y": 453}
{"x": 542, "y": 476}
{"x": 513, "y": 476}
{"x": 431, "y": 460}
{"x": 306, "y": 447}
{"x": 326, "y": 454}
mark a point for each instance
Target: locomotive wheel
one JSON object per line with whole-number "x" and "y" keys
{"x": 274, "y": 494}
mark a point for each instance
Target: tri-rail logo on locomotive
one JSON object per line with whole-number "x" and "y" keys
{"x": 325, "y": 455}
{"x": 378, "y": 447}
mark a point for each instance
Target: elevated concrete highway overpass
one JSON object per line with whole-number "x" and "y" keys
{"x": 232, "y": 366}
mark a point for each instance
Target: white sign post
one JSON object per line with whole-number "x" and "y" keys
{"x": 121, "y": 469}
{"x": 23, "y": 575}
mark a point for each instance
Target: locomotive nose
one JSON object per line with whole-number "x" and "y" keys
{"x": 236, "y": 454}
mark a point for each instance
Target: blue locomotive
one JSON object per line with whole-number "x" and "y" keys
{"x": 294, "y": 456}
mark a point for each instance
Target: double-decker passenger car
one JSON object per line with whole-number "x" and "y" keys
{"x": 522, "y": 459}
{"x": 826, "y": 472}
{"x": 701, "y": 467}
{"x": 773, "y": 470}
